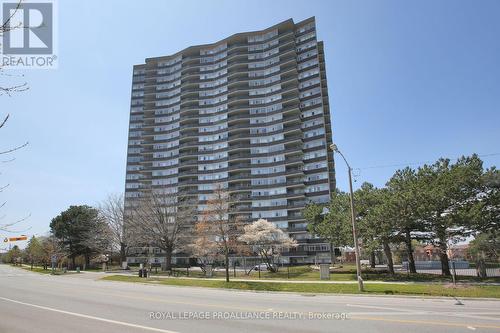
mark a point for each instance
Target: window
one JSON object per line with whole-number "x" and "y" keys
{"x": 306, "y": 64}
{"x": 215, "y": 109}
{"x": 267, "y": 149}
{"x": 267, "y": 139}
{"x": 269, "y": 213}
{"x": 213, "y": 119}
{"x": 265, "y": 100}
{"x": 269, "y": 170}
{"x": 315, "y": 132}
{"x": 268, "y": 159}
{"x": 307, "y": 54}
{"x": 269, "y": 192}
{"x": 317, "y": 176}
{"x": 213, "y": 147}
{"x": 305, "y": 37}
{"x": 167, "y": 119}
{"x": 213, "y": 75}
{"x": 169, "y": 62}
{"x": 167, "y": 172}
{"x": 166, "y": 136}
{"x": 168, "y": 85}
{"x": 166, "y": 163}
{"x": 312, "y": 123}
{"x": 213, "y": 166}
{"x": 317, "y": 188}
{"x": 314, "y": 154}
{"x": 213, "y": 83}
{"x": 168, "y": 101}
{"x": 215, "y": 137}
{"x": 316, "y": 143}
{"x": 263, "y": 37}
{"x": 212, "y": 157}
{"x": 262, "y": 55}
{"x": 166, "y": 127}
{"x": 213, "y": 50}
{"x": 213, "y": 176}
{"x": 311, "y": 102}
{"x": 314, "y": 166}
{"x": 265, "y": 63}
{"x": 266, "y": 72}
{"x": 168, "y": 78}
{"x": 268, "y": 181}
{"x": 213, "y": 66}
{"x": 264, "y": 46}
{"x": 269, "y": 203}
{"x": 168, "y": 70}
{"x": 214, "y": 58}
{"x": 264, "y": 91}
{"x": 268, "y": 119}
{"x": 214, "y": 128}
{"x": 168, "y": 110}
{"x": 310, "y": 92}
{"x": 213, "y": 92}
{"x": 262, "y": 82}
{"x": 309, "y": 83}
{"x": 266, "y": 109}
{"x": 166, "y": 181}
{"x": 308, "y": 73}
{"x": 306, "y": 46}
{"x": 268, "y": 129}
{"x": 305, "y": 27}
{"x": 213, "y": 100}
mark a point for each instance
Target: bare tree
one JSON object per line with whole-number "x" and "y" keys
{"x": 222, "y": 226}
{"x": 267, "y": 240}
{"x": 8, "y": 89}
{"x": 7, "y": 26}
{"x": 112, "y": 211}
{"x": 96, "y": 240}
{"x": 162, "y": 220}
{"x": 204, "y": 247}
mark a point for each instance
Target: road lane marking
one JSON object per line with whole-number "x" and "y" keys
{"x": 75, "y": 314}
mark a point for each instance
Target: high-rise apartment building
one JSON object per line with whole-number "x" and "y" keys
{"x": 250, "y": 112}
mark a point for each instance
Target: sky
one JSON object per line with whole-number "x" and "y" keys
{"x": 408, "y": 82}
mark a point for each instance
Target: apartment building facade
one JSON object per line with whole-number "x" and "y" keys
{"x": 250, "y": 112}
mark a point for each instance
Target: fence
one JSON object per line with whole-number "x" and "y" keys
{"x": 458, "y": 268}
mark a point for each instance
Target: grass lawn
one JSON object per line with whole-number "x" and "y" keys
{"x": 40, "y": 270}
{"x": 346, "y": 273}
{"x": 387, "y": 289}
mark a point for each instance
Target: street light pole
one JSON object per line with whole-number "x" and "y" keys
{"x": 334, "y": 148}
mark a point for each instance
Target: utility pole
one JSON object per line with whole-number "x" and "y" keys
{"x": 335, "y": 149}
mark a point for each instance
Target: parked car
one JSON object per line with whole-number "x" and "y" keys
{"x": 261, "y": 267}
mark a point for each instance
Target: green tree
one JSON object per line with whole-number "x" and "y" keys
{"x": 377, "y": 227}
{"x": 331, "y": 222}
{"x": 401, "y": 206}
{"x": 34, "y": 251}
{"x": 366, "y": 199}
{"x": 448, "y": 193}
{"x": 485, "y": 246}
{"x": 485, "y": 212}
{"x": 71, "y": 228}
{"x": 13, "y": 255}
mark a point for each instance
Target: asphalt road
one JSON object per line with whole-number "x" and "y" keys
{"x": 31, "y": 302}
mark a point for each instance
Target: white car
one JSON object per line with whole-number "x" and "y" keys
{"x": 261, "y": 267}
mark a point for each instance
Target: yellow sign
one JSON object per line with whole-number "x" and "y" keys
{"x": 16, "y": 239}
